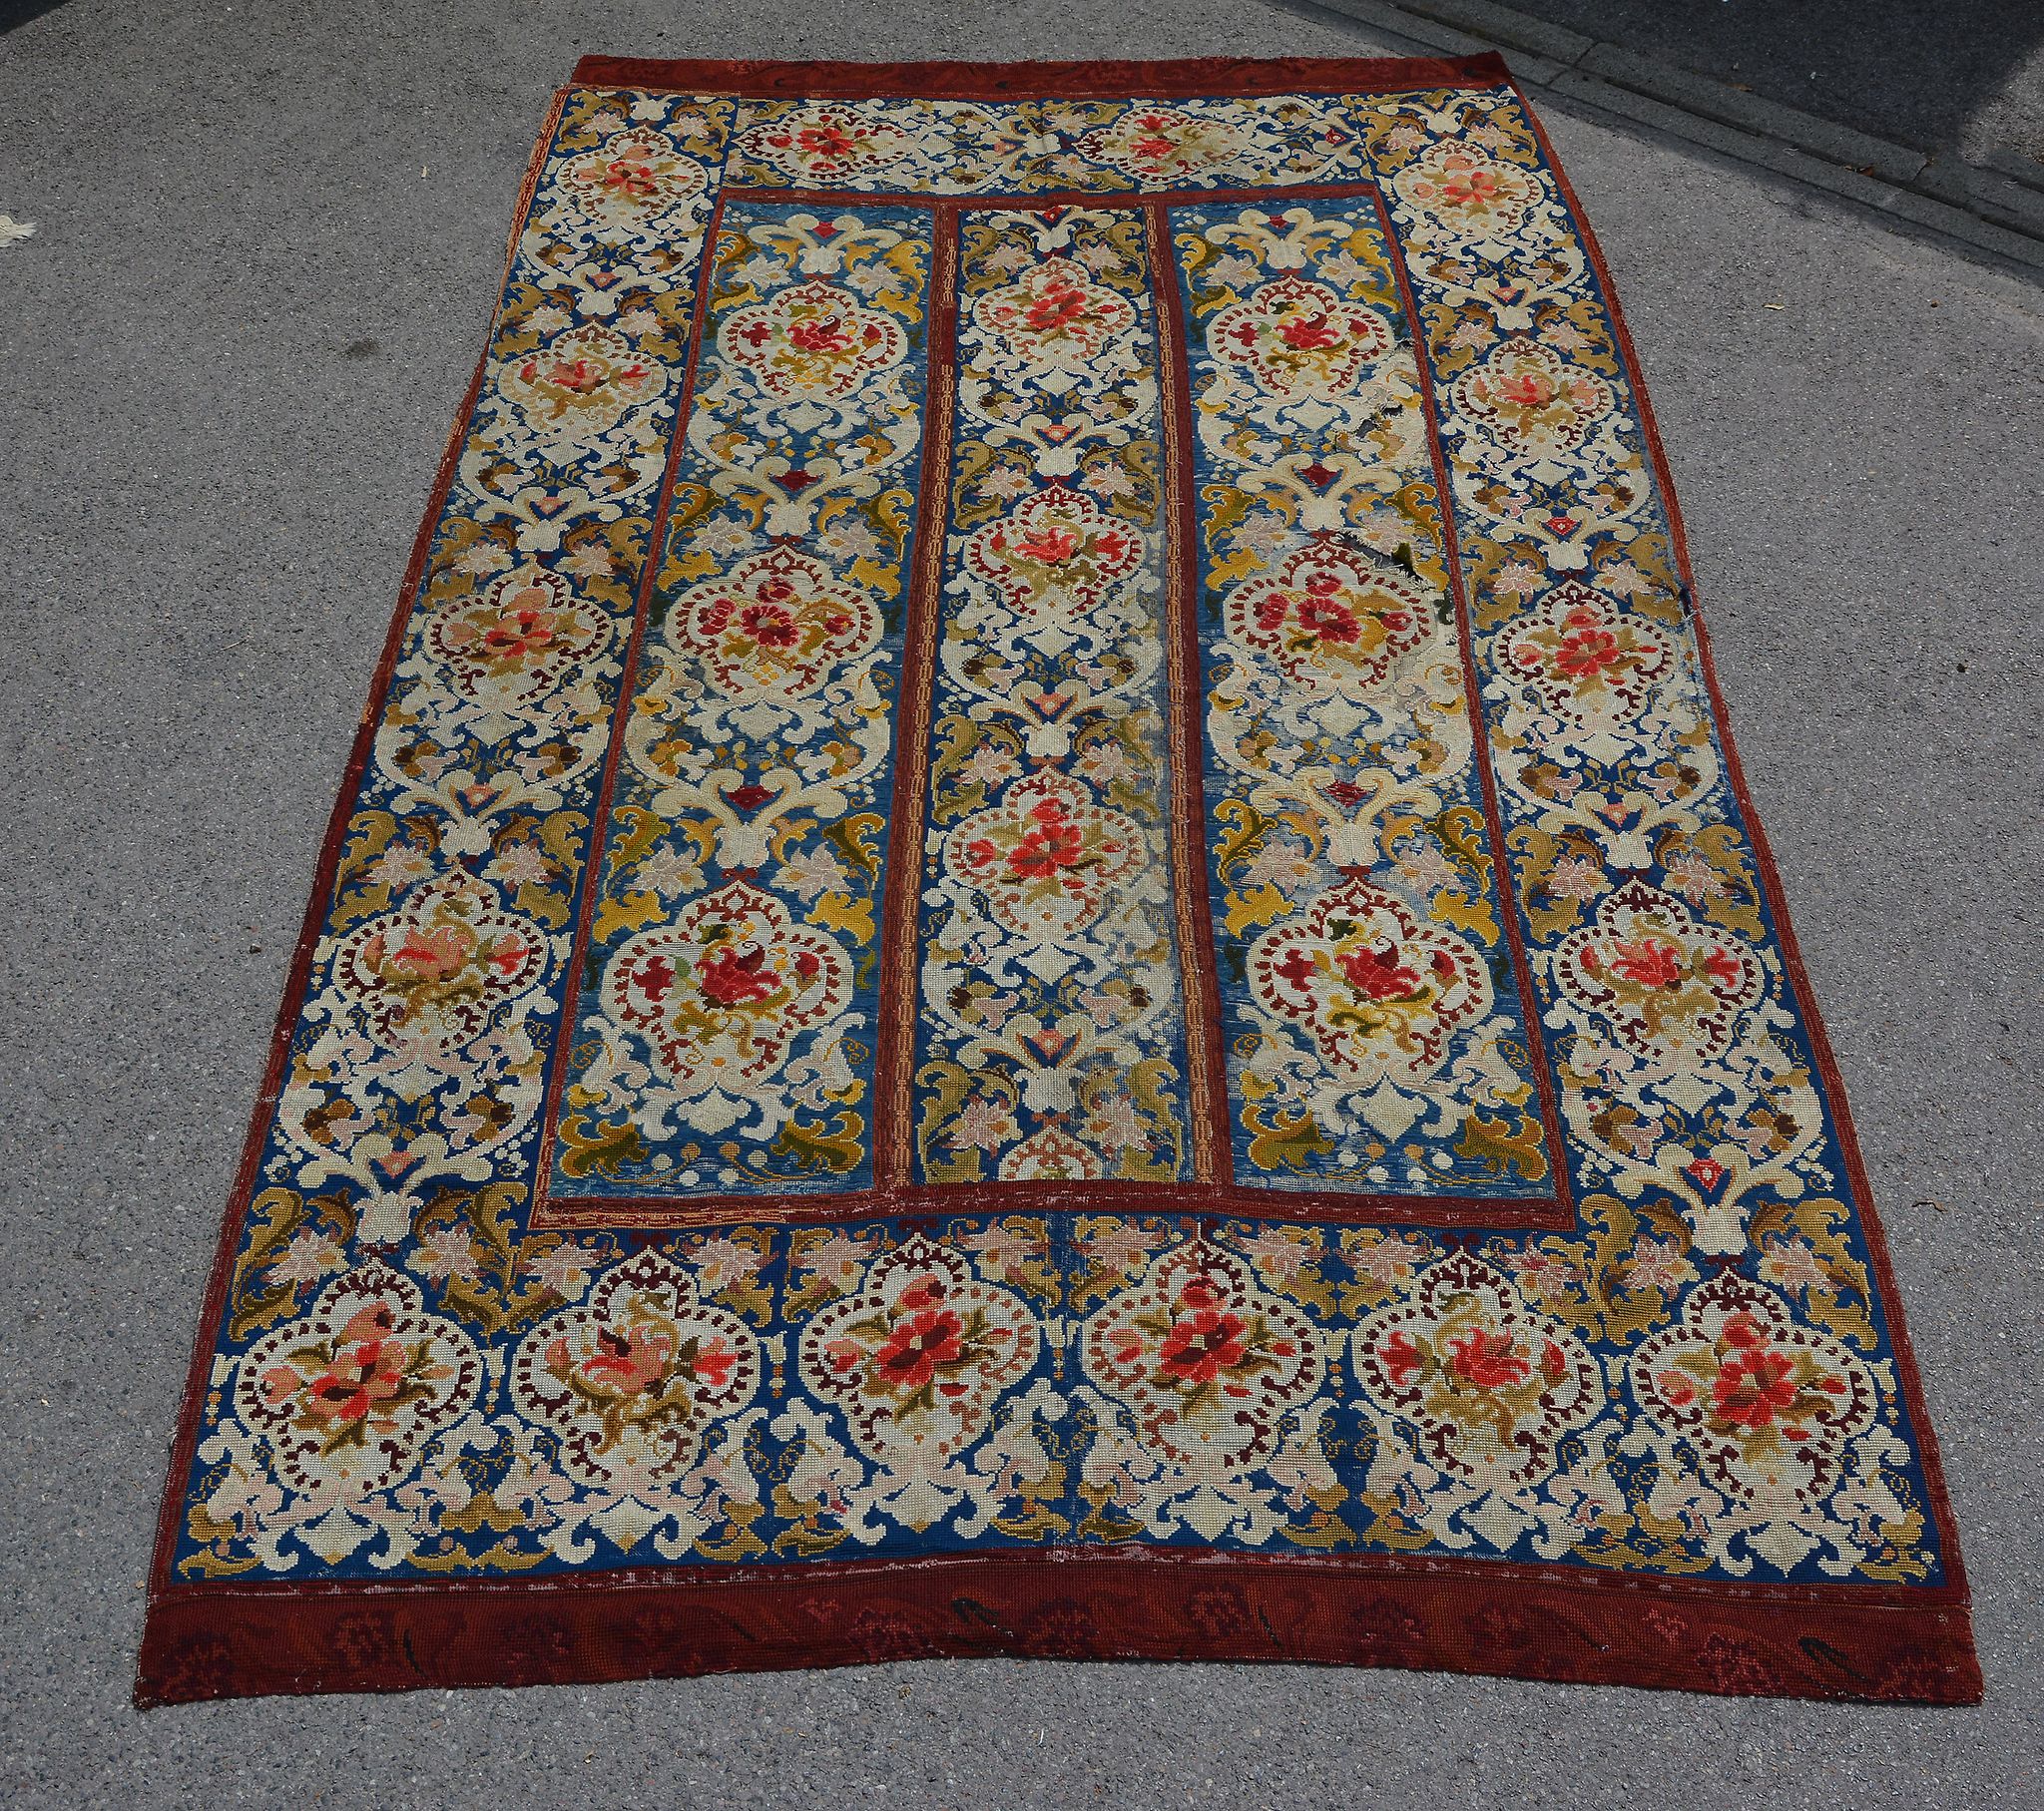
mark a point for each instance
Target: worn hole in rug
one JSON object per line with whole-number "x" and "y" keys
{"x": 1044, "y": 942}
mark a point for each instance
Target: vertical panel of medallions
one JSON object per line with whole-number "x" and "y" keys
{"x": 1050, "y": 1020}
{"x": 416, "y": 1065}
{"x": 1371, "y": 1006}
{"x": 1696, "y": 1121}
{"x": 1684, "y": 1069}
{"x": 726, "y": 1032}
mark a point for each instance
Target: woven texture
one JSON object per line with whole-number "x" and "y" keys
{"x": 1043, "y": 941}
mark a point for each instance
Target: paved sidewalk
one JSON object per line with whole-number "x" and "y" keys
{"x": 267, "y": 242}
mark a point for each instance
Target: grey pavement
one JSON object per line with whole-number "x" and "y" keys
{"x": 267, "y": 242}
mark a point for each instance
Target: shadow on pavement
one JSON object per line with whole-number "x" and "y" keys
{"x": 1963, "y": 77}
{"x": 20, "y": 12}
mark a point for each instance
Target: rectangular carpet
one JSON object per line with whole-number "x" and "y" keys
{"x": 1043, "y": 941}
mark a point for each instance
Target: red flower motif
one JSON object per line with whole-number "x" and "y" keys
{"x": 1330, "y": 618}
{"x": 826, "y": 141}
{"x": 521, "y": 628}
{"x": 630, "y": 176}
{"x": 1059, "y": 305}
{"x": 1052, "y": 842}
{"x": 628, "y": 1361}
{"x": 1588, "y": 652}
{"x": 1468, "y": 189}
{"x": 1488, "y": 1360}
{"x": 1752, "y": 1386}
{"x": 909, "y": 1358}
{"x": 367, "y": 1375}
{"x": 1309, "y": 334}
{"x": 770, "y": 626}
{"x": 1724, "y": 968}
{"x": 734, "y": 979}
{"x": 1203, "y": 1345}
{"x": 1400, "y": 1358}
{"x": 1051, "y": 546}
{"x": 1529, "y": 390}
{"x": 713, "y": 1364}
{"x": 1647, "y": 963}
{"x": 825, "y": 336}
{"x": 1679, "y": 1390}
{"x": 1380, "y": 974}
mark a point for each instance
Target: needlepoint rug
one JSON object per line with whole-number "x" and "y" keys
{"x": 1044, "y": 942}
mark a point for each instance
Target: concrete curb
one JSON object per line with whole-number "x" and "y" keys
{"x": 1997, "y": 210}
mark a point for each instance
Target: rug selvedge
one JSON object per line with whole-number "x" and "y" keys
{"x": 1436, "y": 966}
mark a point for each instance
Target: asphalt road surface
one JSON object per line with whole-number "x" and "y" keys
{"x": 266, "y": 240}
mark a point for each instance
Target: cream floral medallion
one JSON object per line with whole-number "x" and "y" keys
{"x": 779, "y": 626}
{"x": 431, "y": 977}
{"x": 632, "y": 182}
{"x": 634, "y": 1378}
{"x": 1055, "y": 559}
{"x": 580, "y": 385}
{"x": 1207, "y": 1362}
{"x": 1381, "y": 994}
{"x": 1771, "y": 1404}
{"x": 519, "y": 643}
{"x": 1055, "y": 319}
{"x": 1168, "y": 144}
{"x": 348, "y": 1396}
{"x": 812, "y": 341}
{"x": 1296, "y": 339}
{"x": 1047, "y": 860}
{"x": 919, "y": 1358}
{"x": 1670, "y": 990}
{"x": 1587, "y": 662}
{"x": 1489, "y": 1388}
{"x": 1460, "y": 195}
{"x": 718, "y": 995}
{"x": 1332, "y": 617}
{"x": 820, "y": 143}
{"x": 1537, "y": 406}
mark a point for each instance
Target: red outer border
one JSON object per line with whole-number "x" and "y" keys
{"x": 233, "y": 1639}
{"x": 1086, "y": 1604}
{"x": 1231, "y": 75}
{"x": 893, "y": 1128}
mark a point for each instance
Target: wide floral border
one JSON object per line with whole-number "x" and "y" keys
{"x": 1512, "y": 1618}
